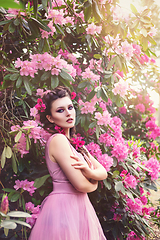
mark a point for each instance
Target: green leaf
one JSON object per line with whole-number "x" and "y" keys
{"x": 8, "y": 152}
{"x": 19, "y": 82}
{"x": 15, "y": 197}
{"x": 41, "y": 24}
{"x": 133, "y": 8}
{"x": 82, "y": 84}
{"x": 97, "y": 56}
{"x": 54, "y": 81}
{"x": 22, "y": 223}
{"x": 66, "y": 76}
{"x": 7, "y": 77}
{"x": 104, "y": 95}
{"x": 18, "y": 214}
{"x": 8, "y": 190}
{"x": 3, "y": 157}
{"x": 97, "y": 131}
{"x": 112, "y": 61}
{"x": 45, "y": 75}
{"x": 40, "y": 181}
{"x": 92, "y": 124}
{"x": 118, "y": 186}
{"x": 44, "y": 4}
{"x": 18, "y": 136}
{"x": 5, "y": 22}
{"x": 35, "y": 7}
{"x": 27, "y": 86}
{"x": 107, "y": 184}
{"x": 96, "y": 12}
{"x": 115, "y": 174}
{"x": 14, "y": 164}
{"x": 11, "y": 28}
{"x": 87, "y": 13}
{"x": 60, "y": 29}
{"x": 10, "y": 4}
{"x": 90, "y": 95}
{"x": 16, "y": 22}
{"x": 14, "y": 76}
{"x": 34, "y": 28}
{"x": 8, "y": 224}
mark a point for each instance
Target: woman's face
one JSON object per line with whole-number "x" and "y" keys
{"x": 62, "y": 113}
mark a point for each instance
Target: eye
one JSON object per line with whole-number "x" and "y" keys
{"x": 70, "y": 107}
{"x": 60, "y": 110}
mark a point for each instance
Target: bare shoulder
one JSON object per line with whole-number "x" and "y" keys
{"x": 58, "y": 138}
{"x": 59, "y": 143}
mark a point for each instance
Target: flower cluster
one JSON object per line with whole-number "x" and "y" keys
{"x": 104, "y": 159}
{"x": 25, "y": 185}
{"x": 121, "y": 88}
{"x": 35, "y": 212}
{"x": 43, "y": 61}
{"x": 40, "y": 105}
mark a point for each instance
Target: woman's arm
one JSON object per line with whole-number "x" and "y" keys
{"x": 98, "y": 173}
{"x": 61, "y": 151}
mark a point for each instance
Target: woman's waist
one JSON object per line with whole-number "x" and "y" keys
{"x": 63, "y": 187}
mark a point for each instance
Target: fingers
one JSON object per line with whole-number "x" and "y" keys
{"x": 75, "y": 157}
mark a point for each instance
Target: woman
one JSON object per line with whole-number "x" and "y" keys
{"x": 67, "y": 213}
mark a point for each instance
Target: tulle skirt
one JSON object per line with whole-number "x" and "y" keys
{"x": 67, "y": 217}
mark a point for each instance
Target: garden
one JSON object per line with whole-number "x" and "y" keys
{"x": 107, "y": 57}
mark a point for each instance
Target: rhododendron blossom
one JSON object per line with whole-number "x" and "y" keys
{"x": 153, "y": 167}
{"x": 133, "y": 236}
{"x": 106, "y": 161}
{"x": 88, "y": 74}
{"x": 35, "y": 212}
{"x": 25, "y": 185}
{"x": 140, "y": 107}
{"x": 135, "y": 206}
{"x": 92, "y": 29}
{"x": 120, "y": 88}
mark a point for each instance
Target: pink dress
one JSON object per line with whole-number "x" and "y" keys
{"x": 66, "y": 214}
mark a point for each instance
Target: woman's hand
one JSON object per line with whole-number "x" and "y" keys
{"x": 83, "y": 166}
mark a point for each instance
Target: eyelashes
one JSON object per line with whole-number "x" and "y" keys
{"x": 61, "y": 109}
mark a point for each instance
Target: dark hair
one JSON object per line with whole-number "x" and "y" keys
{"x": 48, "y": 98}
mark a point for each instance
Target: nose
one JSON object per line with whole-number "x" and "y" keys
{"x": 68, "y": 112}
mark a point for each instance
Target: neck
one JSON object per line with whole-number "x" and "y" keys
{"x": 67, "y": 132}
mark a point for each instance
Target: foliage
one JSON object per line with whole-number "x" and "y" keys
{"x": 101, "y": 54}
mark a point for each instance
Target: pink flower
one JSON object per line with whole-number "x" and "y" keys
{"x": 153, "y": 166}
{"x": 40, "y": 92}
{"x": 88, "y": 74}
{"x": 133, "y": 236}
{"x": 25, "y": 185}
{"x": 40, "y": 105}
{"x": 135, "y": 206}
{"x": 130, "y": 181}
{"x": 106, "y": 161}
{"x": 73, "y": 95}
{"x": 140, "y": 107}
{"x": 78, "y": 143}
{"x": 120, "y": 88}
{"x": 92, "y": 29}
{"x": 33, "y": 111}
{"x": 122, "y": 110}
{"x": 29, "y": 206}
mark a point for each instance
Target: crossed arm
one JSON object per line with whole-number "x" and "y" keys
{"x": 74, "y": 168}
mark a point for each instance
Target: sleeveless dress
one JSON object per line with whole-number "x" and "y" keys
{"x": 66, "y": 214}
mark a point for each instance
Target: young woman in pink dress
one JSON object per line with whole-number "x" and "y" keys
{"x": 67, "y": 214}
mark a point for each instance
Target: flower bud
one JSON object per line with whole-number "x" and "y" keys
{"x": 4, "y": 204}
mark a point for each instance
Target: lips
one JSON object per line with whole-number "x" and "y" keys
{"x": 70, "y": 120}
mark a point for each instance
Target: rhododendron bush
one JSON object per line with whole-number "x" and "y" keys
{"x": 100, "y": 53}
